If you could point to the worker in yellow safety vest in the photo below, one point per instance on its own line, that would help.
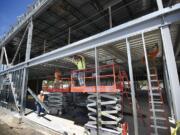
(80, 63)
(176, 131)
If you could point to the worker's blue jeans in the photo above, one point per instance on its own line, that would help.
(81, 78)
(39, 108)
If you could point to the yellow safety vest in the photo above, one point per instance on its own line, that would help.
(177, 129)
(81, 64)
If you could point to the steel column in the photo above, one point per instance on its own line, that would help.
(132, 88)
(172, 69)
(29, 41)
(2, 55)
(44, 47)
(98, 102)
(69, 35)
(25, 70)
(159, 4)
(110, 17)
(167, 87)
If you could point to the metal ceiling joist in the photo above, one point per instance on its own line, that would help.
(128, 9)
(118, 54)
(146, 23)
(97, 5)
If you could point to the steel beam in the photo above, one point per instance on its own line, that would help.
(172, 69)
(132, 88)
(146, 23)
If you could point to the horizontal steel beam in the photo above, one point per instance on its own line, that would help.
(143, 24)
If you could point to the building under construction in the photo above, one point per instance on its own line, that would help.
(129, 83)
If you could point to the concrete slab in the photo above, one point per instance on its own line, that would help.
(56, 123)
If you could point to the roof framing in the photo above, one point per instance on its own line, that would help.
(143, 24)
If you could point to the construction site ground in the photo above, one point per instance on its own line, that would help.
(9, 125)
(34, 125)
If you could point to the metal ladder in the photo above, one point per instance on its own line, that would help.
(158, 120)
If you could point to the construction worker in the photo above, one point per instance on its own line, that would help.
(152, 54)
(58, 84)
(176, 131)
(38, 106)
(80, 63)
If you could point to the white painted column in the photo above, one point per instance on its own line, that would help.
(98, 98)
(172, 69)
(159, 4)
(132, 88)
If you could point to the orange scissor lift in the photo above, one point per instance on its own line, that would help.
(110, 90)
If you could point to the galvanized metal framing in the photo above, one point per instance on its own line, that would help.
(149, 83)
(110, 17)
(172, 69)
(6, 57)
(132, 88)
(159, 4)
(168, 88)
(146, 23)
(2, 55)
(29, 40)
(34, 11)
(69, 35)
(19, 46)
(25, 70)
(171, 66)
(98, 98)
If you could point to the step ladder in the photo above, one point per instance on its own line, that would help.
(158, 120)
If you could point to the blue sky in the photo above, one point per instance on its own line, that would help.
(9, 10)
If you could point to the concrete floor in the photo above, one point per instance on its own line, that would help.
(9, 125)
(74, 120)
(56, 123)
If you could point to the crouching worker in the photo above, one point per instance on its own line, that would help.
(38, 106)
